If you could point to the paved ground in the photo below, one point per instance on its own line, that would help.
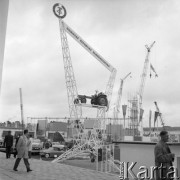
(44, 170)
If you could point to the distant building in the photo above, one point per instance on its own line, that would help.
(174, 132)
(54, 127)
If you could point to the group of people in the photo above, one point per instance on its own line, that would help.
(23, 148)
(163, 156)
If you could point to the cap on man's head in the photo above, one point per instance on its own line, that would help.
(162, 133)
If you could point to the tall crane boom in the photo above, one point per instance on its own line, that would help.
(144, 74)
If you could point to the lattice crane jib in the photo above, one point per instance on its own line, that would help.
(144, 74)
(75, 112)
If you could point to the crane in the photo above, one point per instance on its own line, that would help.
(137, 105)
(159, 114)
(97, 99)
(144, 74)
(100, 100)
(118, 100)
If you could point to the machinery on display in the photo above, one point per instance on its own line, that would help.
(84, 142)
(102, 99)
(97, 99)
(135, 103)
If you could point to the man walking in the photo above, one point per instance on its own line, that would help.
(8, 143)
(163, 158)
(22, 151)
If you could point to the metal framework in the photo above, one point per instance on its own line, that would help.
(144, 74)
(83, 141)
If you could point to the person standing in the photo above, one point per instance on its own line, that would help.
(17, 138)
(22, 151)
(30, 146)
(163, 158)
(8, 143)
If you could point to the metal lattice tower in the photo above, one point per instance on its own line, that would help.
(72, 93)
(144, 74)
(84, 142)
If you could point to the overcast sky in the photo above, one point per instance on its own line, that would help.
(116, 29)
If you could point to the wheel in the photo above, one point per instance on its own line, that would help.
(93, 101)
(59, 10)
(93, 160)
(76, 101)
(102, 100)
(83, 100)
(47, 155)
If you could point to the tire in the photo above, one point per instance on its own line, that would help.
(76, 101)
(83, 100)
(93, 160)
(102, 100)
(93, 101)
(47, 156)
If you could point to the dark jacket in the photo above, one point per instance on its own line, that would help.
(8, 141)
(163, 156)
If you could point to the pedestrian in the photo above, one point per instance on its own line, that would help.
(17, 138)
(8, 143)
(163, 158)
(22, 151)
(30, 146)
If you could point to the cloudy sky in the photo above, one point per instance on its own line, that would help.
(116, 29)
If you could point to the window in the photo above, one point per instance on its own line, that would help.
(56, 149)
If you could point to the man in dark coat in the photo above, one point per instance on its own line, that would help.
(8, 143)
(163, 158)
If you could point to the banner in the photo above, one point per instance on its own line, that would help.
(156, 114)
(141, 114)
(150, 115)
(124, 107)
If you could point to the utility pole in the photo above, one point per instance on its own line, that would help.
(21, 106)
